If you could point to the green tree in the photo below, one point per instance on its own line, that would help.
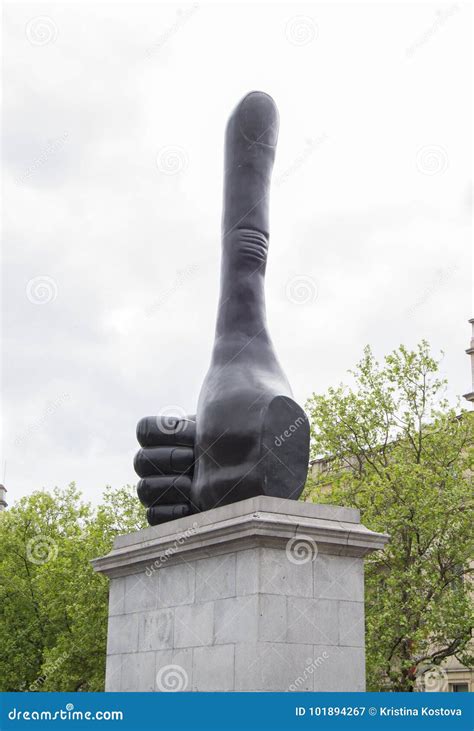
(392, 447)
(53, 606)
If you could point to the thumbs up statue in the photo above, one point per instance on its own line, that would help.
(248, 437)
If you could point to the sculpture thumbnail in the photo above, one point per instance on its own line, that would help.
(248, 437)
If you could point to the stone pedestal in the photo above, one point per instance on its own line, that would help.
(262, 595)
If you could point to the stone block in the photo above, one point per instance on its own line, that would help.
(312, 621)
(351, 624)
(247, 572)
(235, 619)
(272, 618)
(213, 668)
(278, 575)
(271, 666)
(113, 673)
(338, 577)
(116, 596)
(215, 577)
(138, 672)
(193, 625)
(244, 603)
(342, 669)
(174, 531)
(122, 634)
(312, 669)
(176, 584)
(140, 592)
(155, 630)
(174, 671)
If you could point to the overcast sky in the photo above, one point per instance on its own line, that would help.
(113, 154)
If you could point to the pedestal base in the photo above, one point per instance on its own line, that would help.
(261, 595)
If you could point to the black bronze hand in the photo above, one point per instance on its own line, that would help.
(166, 465)
(251, 437)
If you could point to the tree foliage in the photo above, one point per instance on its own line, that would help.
(53, 606)
(392, 447)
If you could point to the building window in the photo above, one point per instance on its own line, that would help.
(459, 688)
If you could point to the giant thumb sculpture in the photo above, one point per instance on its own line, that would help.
(249, 437)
